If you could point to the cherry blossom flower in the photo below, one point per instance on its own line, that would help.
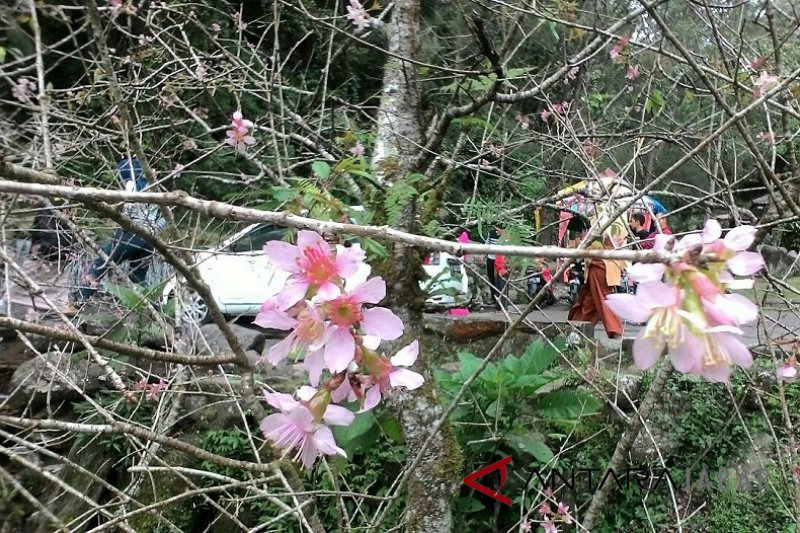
(313, 266)
(545, 115)
(306, 339)
(549, 526)
(571, 75)
(156, 389)
(563, 510)
(116, 5)
(525, 526)
(633, 73)
(764, 84)
(757, 63)
(358, 149)
(238, 135)
(765, 137)
(788, 371)
(796, 474)
(142, 384)
(358, 15)
(545, 509)
(216, 28)
(389, 373)
(24, 90)
(300, 425)
(346, 312)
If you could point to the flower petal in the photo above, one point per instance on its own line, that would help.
(372, 398)
(314, 363)
(712, 231)
(371, 342)
(688, 354)
(403, 377)
(628, 307)
(293, 291)
(406, 356)
(323, 437)
(327, 291)
(338, 416)
(271, 318)
(745, 263)
(646, 272)
(382, 323)
(279, 352)
(281, 401)
(305, 393)
(719, 373)
(370, 292)
(340, 349)
(349, 260)
(646, 350)
(283, 255)
(736, 349)
(740, 238)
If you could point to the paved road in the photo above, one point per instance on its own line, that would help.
(779, 322)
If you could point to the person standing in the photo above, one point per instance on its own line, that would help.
(602, 275)
(637, 226)
(491, 272)
(651, 238)
(126, 245)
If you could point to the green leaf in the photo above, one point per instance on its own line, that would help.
(537, 357)
(469, 363)
(533, 445)
(567, 405)
(125, 295)
(655, 102)
(391, 426)
(321, 169)
(347, 435)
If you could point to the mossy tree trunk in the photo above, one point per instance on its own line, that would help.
(431, 486)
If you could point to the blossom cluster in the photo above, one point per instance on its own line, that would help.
(239, 135)
(549, 518)
(328, 306)
(358, 15)
(687, 306)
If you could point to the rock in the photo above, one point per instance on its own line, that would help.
(779, 262)
(628, 388)
(95, 458)
(287, 376)
(645, 450)
(40, 380)
(214, 342)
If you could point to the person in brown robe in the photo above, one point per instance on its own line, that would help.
(601, 277)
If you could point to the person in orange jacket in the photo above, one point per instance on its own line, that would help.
(501, 274)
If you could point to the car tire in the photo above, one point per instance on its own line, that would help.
(192, 308)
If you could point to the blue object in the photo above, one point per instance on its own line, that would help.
(655, 205)
(128, 171)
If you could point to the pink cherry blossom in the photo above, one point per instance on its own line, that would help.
(545, 510)
(549, 526)
(215, 27)
(358, 15)
(346, 312)
(720, 348)
(632, 73)
(525, 526)
(764, 84)
(314, 266)
(300, 425)
(307, 336)
(389, 373)
(141, 384)
(238, 135)
(156, 389)
(658, 304)
(757, 63)
(788, 371)
(358, 149)
(563, 511)
(545, 115)
(796, 474)
(614, 53)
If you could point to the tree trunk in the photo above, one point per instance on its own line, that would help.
(432, 485)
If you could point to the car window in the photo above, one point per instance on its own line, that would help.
(256, 239)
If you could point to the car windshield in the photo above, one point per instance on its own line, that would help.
(257, 238)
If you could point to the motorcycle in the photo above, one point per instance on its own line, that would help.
(537, 279)
(576, 279)
(626, 286)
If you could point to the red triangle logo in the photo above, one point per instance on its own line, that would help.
(469, 481)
